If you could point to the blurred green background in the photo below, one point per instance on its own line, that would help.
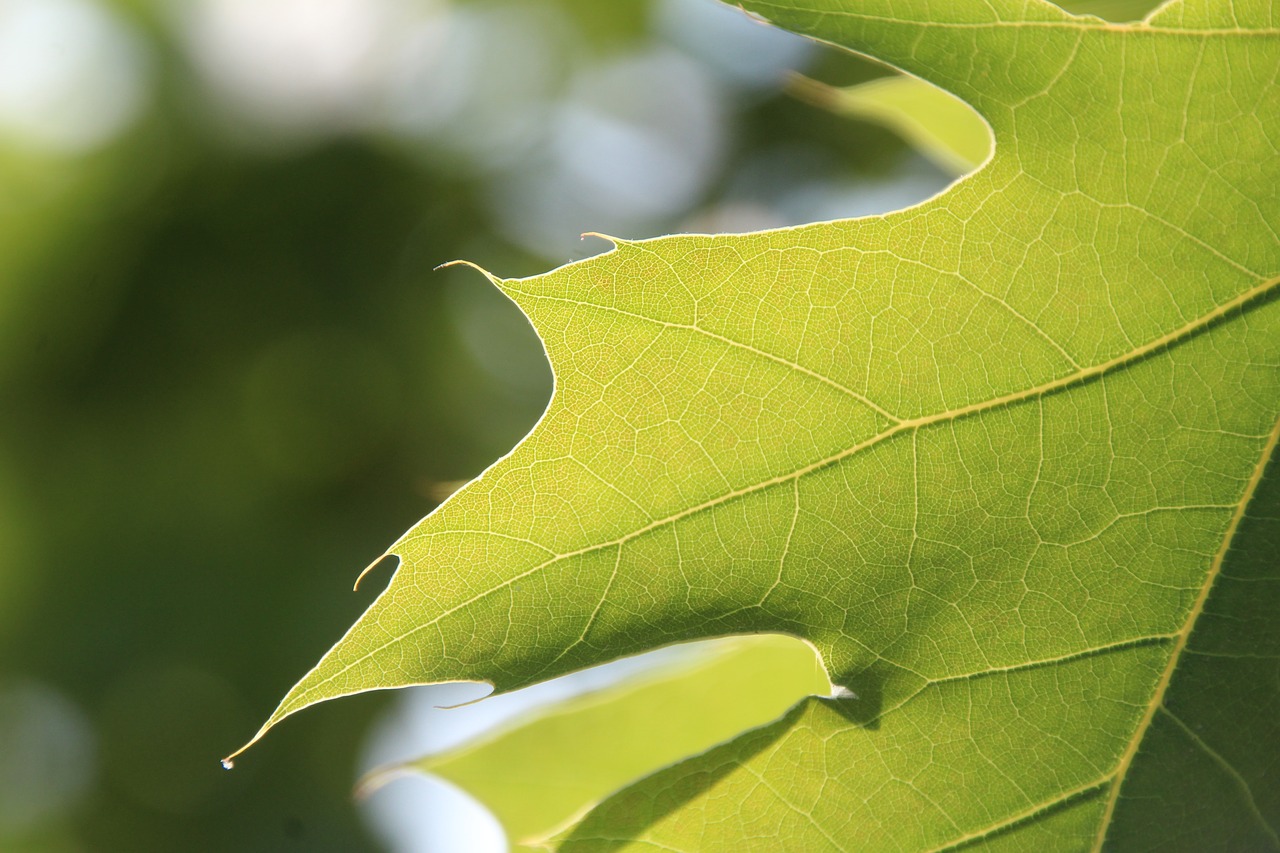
(229, 376)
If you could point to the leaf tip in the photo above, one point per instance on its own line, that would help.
(229, 762)
(614, 240)
(356, 586)
(464, 263)
(493, 688)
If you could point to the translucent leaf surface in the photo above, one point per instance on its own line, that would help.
(999, 457)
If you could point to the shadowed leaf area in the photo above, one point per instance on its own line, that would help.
(1000, 457)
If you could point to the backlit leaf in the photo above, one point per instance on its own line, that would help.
(999, 457)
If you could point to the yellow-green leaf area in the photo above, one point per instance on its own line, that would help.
(1000, 457)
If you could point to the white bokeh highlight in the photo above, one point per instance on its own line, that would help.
(73, 74)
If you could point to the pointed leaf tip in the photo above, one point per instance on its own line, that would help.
(614, 241)
(356, 586)
(472, 265)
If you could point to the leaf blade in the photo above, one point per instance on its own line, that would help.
(1010, 425)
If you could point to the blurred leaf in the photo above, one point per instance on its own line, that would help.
(938, 124)
(988, 454)
(1111, 10)
(537, 774)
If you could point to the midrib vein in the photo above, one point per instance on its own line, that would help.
(1183, 637)
(1078, 377)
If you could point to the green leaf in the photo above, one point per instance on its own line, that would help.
(943, 127)
(539, 773)
(996, 456)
